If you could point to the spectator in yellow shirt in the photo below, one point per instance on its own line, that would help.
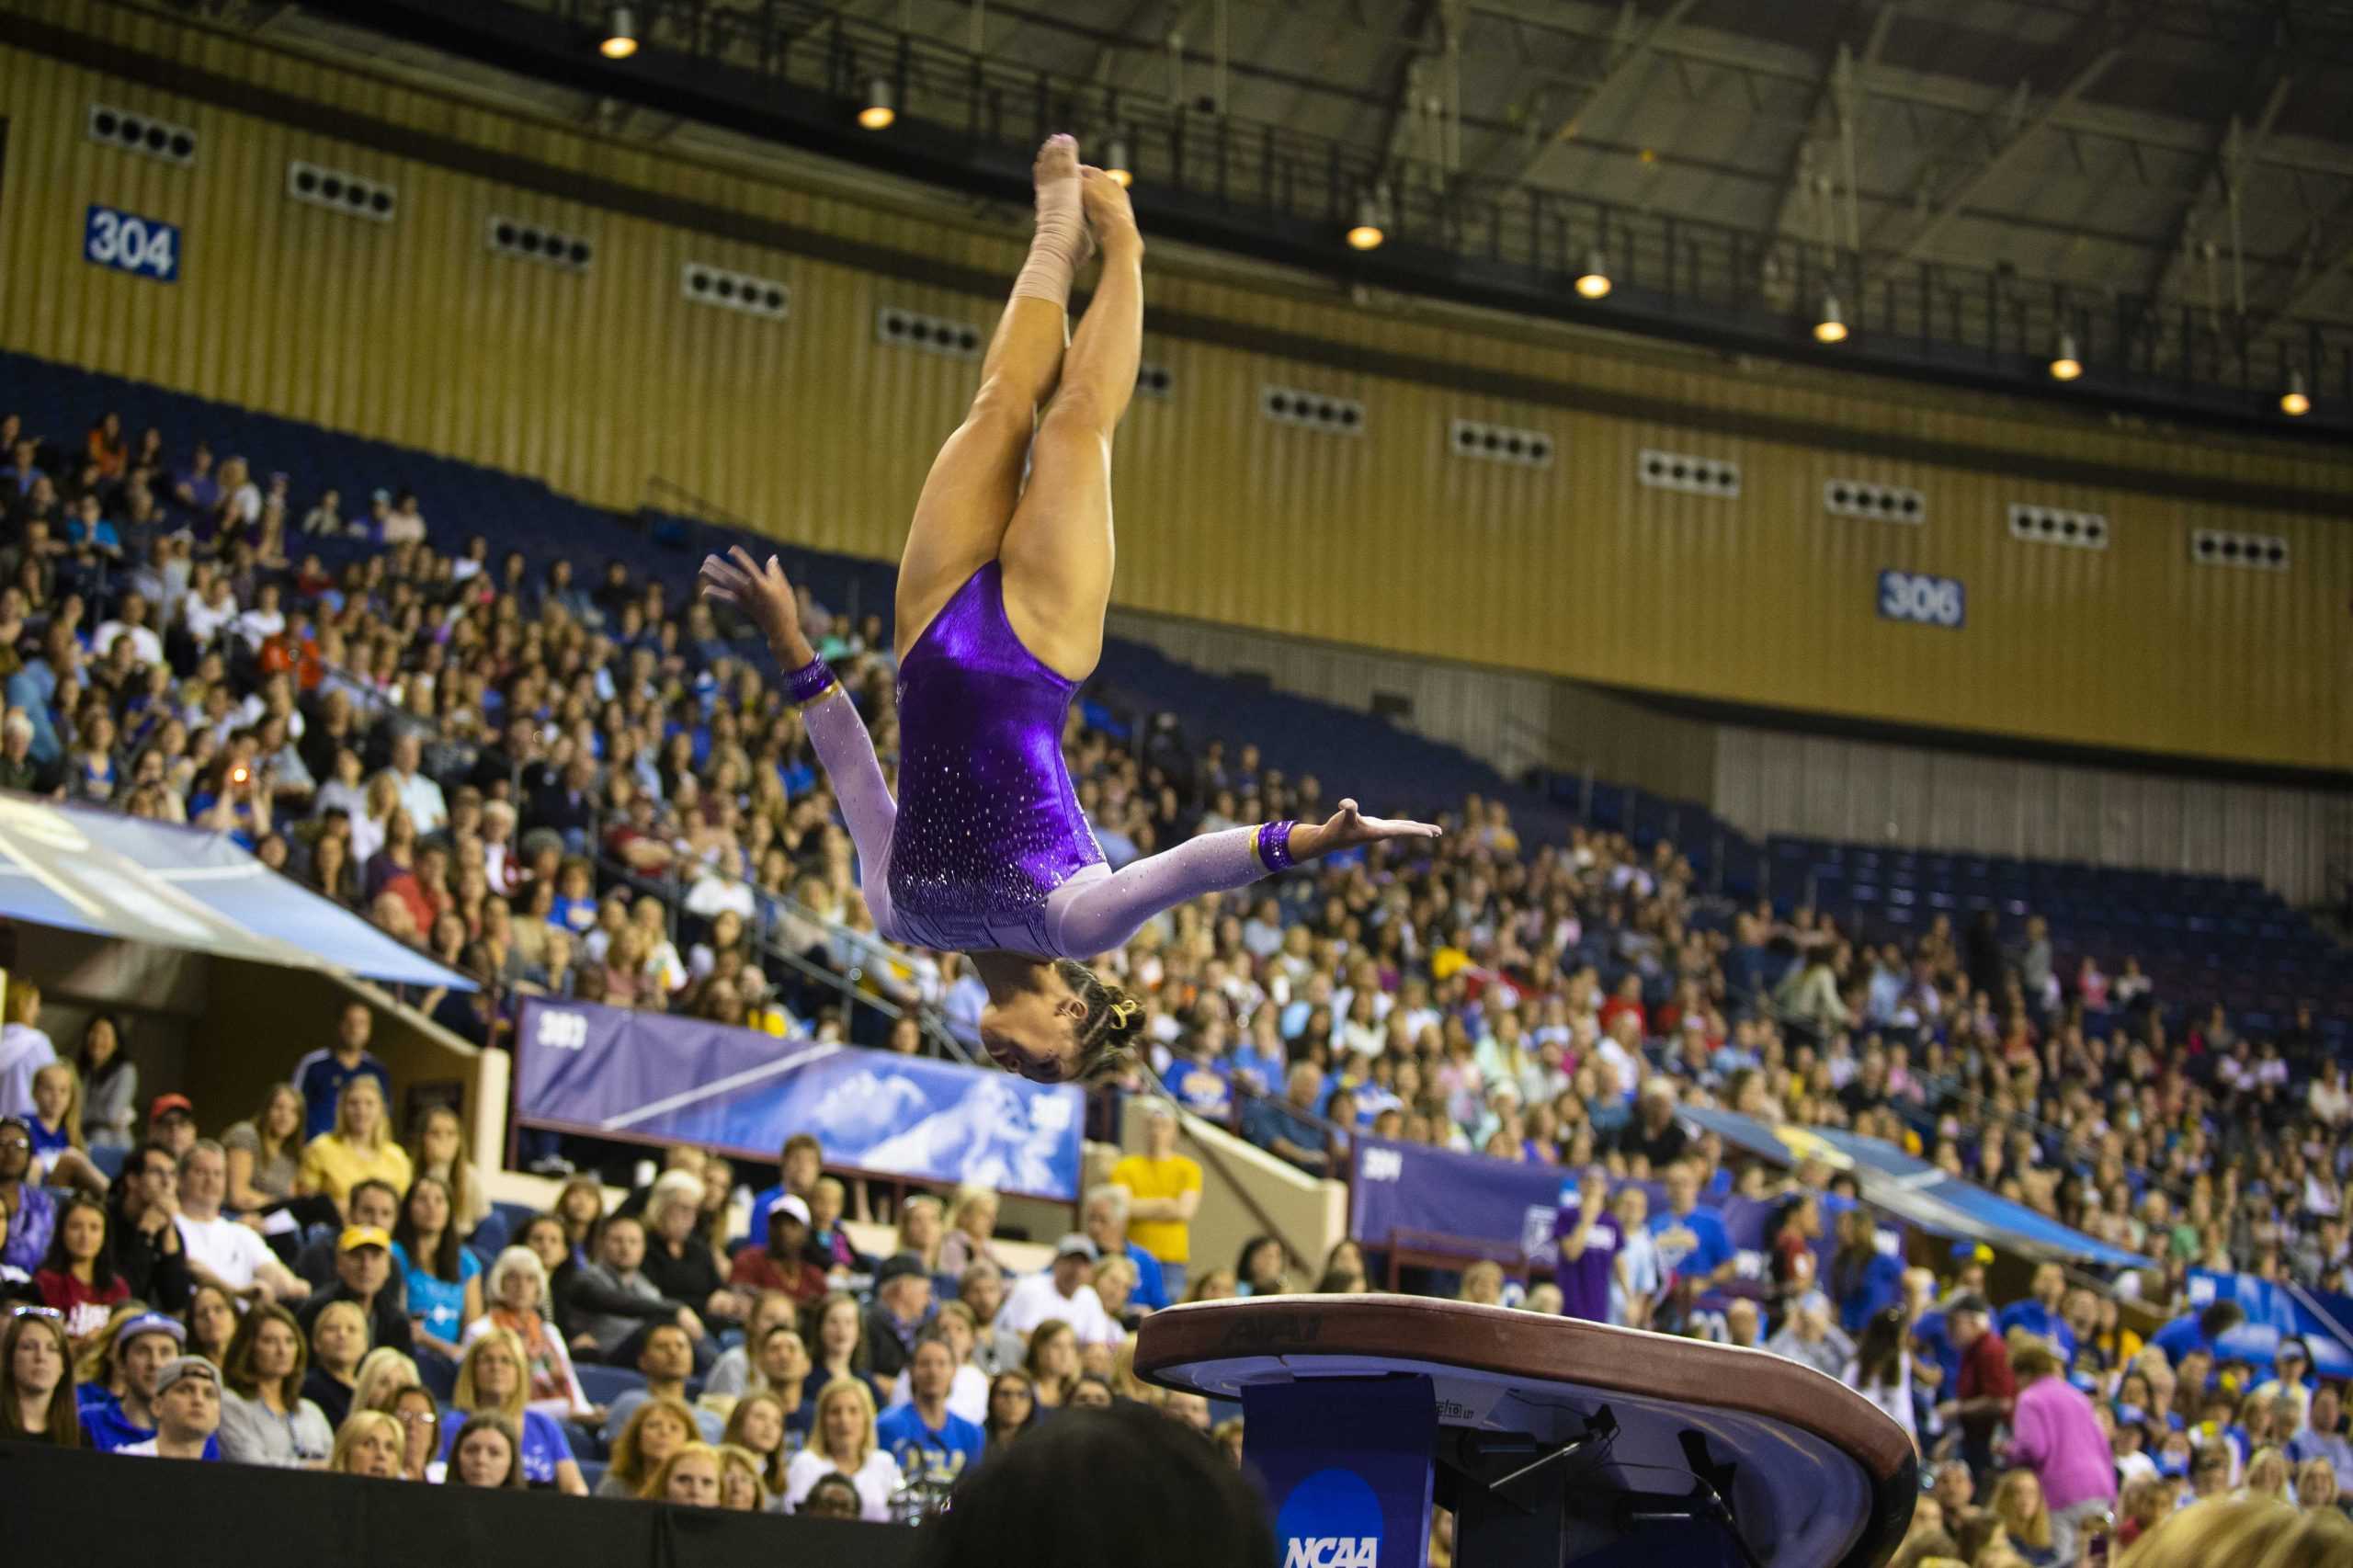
(359, 1148)
(1166, 1189)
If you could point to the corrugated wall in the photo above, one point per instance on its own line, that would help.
(416, 332)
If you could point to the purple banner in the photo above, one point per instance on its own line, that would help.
(648, 1077)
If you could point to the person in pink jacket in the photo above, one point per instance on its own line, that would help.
(2054, 1434)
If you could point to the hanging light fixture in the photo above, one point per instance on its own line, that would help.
(621, 34)
(881, 108)
(1371, 226)
(2064, 365)
(1594, 281)
(1830, 326)
(1115, 162)
(2295, 402)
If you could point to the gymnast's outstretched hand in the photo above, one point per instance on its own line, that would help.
(763, 594)
(1348, 828)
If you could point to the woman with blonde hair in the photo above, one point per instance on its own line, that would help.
(358, 1148)
(740, 1488)
(756, 1428)
(265, 1152)
(339, 1344)
(971, 1223)
(2268, 1476)
(2018, 1504)
(2245, 1533)
(688, 1477)
(844, 1443)
(370, 1443)
(517, 1285)
(922, 1231)
(383, 1372)
(656, 1430)
(491, 1379)
(56, 1127)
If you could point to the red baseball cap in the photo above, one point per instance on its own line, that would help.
(165, 1103)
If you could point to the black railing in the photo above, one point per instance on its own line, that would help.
(796, 72)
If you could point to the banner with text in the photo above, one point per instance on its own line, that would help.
(648, 1077)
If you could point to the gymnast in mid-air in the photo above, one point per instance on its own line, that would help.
(1001, 596)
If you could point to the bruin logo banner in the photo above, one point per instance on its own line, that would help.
(1332, 1519)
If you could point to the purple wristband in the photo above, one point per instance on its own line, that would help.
(810, 681)
(1274, 844)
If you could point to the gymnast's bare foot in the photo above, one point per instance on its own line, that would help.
(1109, 213)
(1061, 218)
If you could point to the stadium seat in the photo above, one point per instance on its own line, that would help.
(604, 1384)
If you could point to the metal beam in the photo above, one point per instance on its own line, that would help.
(1834, 97)
(2096, 44)
(2327, 251)
(1634, 53)
(1404, 76)
(2233, 151)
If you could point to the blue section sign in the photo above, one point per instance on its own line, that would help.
(145, 247)
(1922, 599)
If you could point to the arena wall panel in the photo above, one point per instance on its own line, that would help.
(1766, 782)
(600, 378)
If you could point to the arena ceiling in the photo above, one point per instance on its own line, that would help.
(2186, 153)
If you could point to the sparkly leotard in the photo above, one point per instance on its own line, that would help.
(986, 847)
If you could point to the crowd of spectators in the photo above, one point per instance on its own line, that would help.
(586, 789)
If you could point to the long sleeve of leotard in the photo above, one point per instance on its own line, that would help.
(847, 752)
(1095, 916)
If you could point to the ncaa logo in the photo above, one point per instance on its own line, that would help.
(1331, 1520)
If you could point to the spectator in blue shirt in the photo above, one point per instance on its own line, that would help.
(1691, 1241)
(143, 1346)
(321, 1076)
(2198, 1331)
(2038, 1313)
(1864, 1280)
(1284, 1127)
(34, 688)
(22, 471)
(932, 1443)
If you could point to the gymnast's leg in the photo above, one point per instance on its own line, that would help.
(1058, 550)
(970, 495)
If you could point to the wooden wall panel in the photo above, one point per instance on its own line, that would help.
(416, 332)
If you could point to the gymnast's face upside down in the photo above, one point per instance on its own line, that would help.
(1052, 1020)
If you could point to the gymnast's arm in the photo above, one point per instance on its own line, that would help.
(847, 752)
(1095, 916)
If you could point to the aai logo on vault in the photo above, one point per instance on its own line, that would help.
(1331, 1520)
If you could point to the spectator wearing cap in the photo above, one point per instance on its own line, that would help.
(803, 1160)
(782, 1262)
(493, 1380)
(931, 1443)
(1061, 1291)
(901, 1307)
(143, 1345)
(1104, 1217)
(363, 1272)
(665, 1356)
(322, 1075)
(264, 1417)
(187, 1405)
(2292, 1380)
(1165, 1191)
(2054, 1433)
(374, 1205)
(171, 1124)
(359, 1147)
(611, 1298)
(1983, 1390)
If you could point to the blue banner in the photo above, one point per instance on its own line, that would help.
(648, 1077)
(1347, 1465)
(1914, 1190)
(2273, 1313)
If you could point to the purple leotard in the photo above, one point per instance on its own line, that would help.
(986, 847)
